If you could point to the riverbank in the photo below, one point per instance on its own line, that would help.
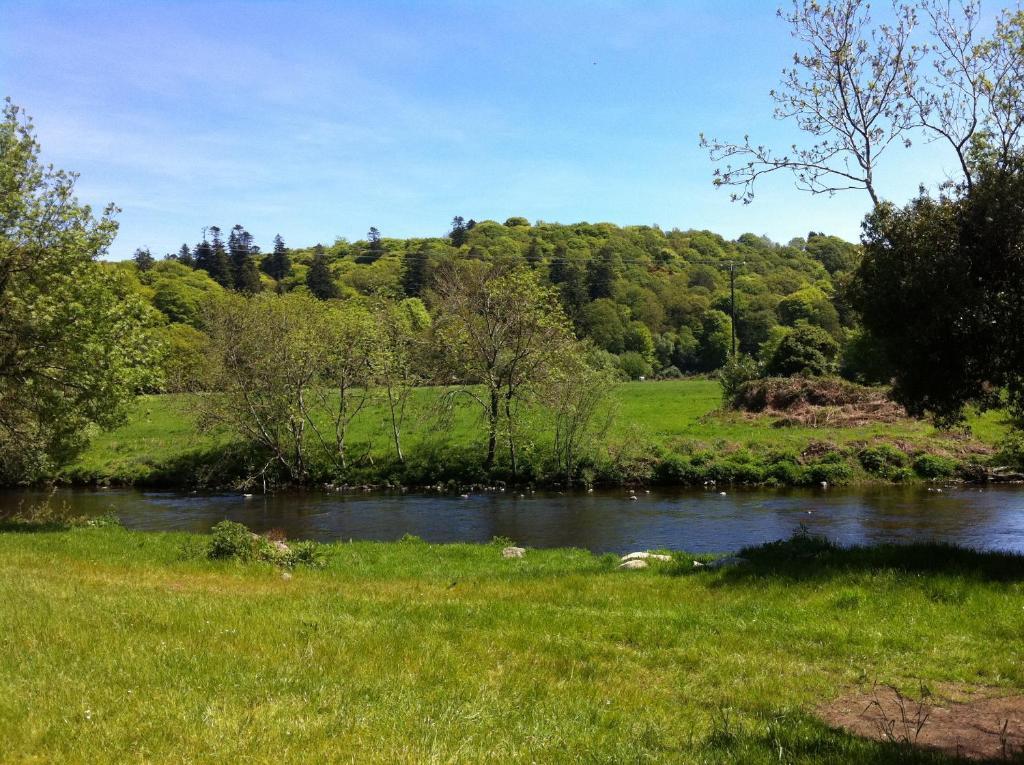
(121, 645)
(662, 433)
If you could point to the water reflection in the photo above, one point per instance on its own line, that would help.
(697, 521)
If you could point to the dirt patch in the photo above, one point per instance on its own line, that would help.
(972, 724)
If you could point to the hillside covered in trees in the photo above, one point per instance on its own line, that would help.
(658, 301)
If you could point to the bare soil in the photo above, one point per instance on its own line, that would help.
(974, 724)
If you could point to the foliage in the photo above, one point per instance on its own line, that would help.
(738, 371)
(635, 366)
(233, 541)
(941, 290)
(805, 350)
(75, 342)
(502, 329)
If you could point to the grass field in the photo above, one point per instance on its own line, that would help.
(650, 419)
(118, 646)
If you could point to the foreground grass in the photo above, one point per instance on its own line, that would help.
(160, 443)
(119, 646)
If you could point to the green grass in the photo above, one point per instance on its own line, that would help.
(120, 646)
(160, 443)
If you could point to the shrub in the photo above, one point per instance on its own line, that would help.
(935, 466)
(233, 540)
(806, 350)
(832, 472)
(1011, 450)
(881, 460)
(737, 371)
(634, 365)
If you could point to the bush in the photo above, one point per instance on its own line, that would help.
(233, 541)
(634, 365)
(831, 472)
(807, 350)
(935, 466)
(1011, 450)
(737, 372)
(881, 460)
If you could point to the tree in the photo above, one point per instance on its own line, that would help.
(213, 258)
(374, 247)
(502, 329)
(393, 364)
(143, 259)
(602, 271)
(941, 289)
(414, 270)
(577, 395)
(278, 264)
(75, 342)
(457, 234)
(185, 257)
(805, 350)
(856, 89)
(265, 355)
(246, 278)
(319, 280)
(846, 89)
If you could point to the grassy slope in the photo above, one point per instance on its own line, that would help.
(672, 414)
(121, 646)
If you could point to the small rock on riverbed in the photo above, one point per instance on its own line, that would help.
(513, 552)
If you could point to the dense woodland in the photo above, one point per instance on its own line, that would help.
(658, 301)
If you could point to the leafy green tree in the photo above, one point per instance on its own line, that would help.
(245, 277)
(811, 305)
(501, 329)
(715, 341)
(603, 324)
(602, 271)
(319, 280)
(75, 342)
(639, 339)
(941, 289)
(635, 366)
(805, 350)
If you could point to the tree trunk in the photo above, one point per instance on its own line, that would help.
(492, 429)
(511, 435)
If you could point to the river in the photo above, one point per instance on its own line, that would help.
(990, 518)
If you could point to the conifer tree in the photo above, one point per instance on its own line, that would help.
(278, 264)
(318, 278)
(143, 258)
(458, 232)
(185, 257)
(213, 258)
(243, 267)
(414, 270)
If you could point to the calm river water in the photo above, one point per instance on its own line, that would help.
(692, 520)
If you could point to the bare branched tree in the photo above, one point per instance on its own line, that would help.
(847, 89)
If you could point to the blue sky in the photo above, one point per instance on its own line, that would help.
(319, 120)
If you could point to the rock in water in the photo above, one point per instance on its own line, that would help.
(633, 564)
(513, 552)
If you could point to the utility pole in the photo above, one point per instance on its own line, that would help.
(732, 298)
